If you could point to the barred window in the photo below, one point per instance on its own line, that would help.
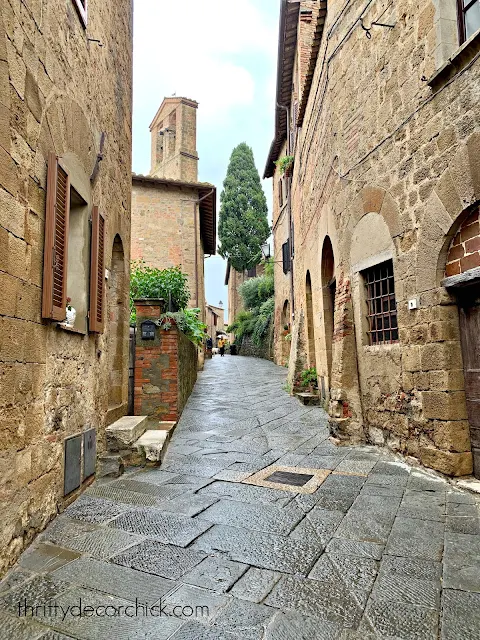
(381, 304)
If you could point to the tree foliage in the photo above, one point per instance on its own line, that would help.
(243, 225)
(259, 301)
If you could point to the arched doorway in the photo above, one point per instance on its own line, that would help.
(286, 332)
(328, 291)
(118, 327)
(312, 360)
(462, 273)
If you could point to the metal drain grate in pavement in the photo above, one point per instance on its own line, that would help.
(293, 479)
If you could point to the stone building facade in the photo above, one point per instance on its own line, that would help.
(381, 215)
(215, 321)
(65, 192)
(174, 215)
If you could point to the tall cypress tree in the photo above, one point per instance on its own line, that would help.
(243, 225)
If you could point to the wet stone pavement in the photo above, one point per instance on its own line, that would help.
(379, 550)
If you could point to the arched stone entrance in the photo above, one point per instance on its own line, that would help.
(312, 360)
(118, 319)
(328, 290)
(462, 272)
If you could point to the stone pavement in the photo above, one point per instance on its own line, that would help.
(378, 550)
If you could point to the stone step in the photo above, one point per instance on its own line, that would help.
(123, 433)
(164, 426)
(153, 444)
(110, 466)
(309, 399)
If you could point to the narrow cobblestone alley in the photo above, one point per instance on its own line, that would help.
(377, 550)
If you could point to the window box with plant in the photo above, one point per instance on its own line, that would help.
(285, 165)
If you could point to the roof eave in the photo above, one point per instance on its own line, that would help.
(287, 44)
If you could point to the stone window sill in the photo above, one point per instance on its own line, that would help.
(65, 327)
(378, 348)
(465, 54)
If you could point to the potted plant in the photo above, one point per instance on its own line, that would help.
(307, 380)
(285, 165)
(71, 314)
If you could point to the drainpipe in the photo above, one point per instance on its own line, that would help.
(195, 219)
(289, 213)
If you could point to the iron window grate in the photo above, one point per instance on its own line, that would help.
(381, 304)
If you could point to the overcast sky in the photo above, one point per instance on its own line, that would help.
(221, 53)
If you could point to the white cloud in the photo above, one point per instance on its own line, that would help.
(194, 48)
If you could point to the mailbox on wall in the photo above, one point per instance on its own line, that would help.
(148, 330)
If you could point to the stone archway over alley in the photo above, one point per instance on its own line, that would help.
(359, 545)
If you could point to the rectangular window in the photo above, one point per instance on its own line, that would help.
(73, 263)
(252, 273)
(381, 304)
(468, 18)
(280, 193)
(82, 8)
(286, 256)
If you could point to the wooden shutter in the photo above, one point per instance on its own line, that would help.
(97, 273)
(55, 257)
(286, 256)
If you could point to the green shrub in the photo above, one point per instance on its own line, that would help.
(148, 282)
(256, 291)
(187, 321)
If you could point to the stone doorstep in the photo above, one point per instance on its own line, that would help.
(153, 444)
(123, 433)
(308, 399)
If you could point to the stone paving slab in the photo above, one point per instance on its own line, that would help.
(380, 551)
(115, 580)
(165, 527)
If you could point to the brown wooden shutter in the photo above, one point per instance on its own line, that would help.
(97, 273)
(55, 257)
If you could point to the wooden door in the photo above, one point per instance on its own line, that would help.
(470, 336)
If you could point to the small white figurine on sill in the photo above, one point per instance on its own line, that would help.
(71, 314)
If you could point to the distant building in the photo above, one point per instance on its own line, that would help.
(174, 215)
(215, 321)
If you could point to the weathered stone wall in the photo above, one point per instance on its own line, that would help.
(163, 232)
(58, 93)
(187, 370)
(262, 350)
(399, 160)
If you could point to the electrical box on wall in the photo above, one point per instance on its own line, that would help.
(413, 304)
(72, 464)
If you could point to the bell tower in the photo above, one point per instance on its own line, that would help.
(174, 140)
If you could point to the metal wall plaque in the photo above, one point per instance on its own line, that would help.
(89, 453)
(148, 330)
(72, 467)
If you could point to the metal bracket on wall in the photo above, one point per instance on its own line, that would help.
(374, 24)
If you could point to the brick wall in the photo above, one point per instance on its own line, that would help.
(165, 368)
(464, 253)
(168, 208)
